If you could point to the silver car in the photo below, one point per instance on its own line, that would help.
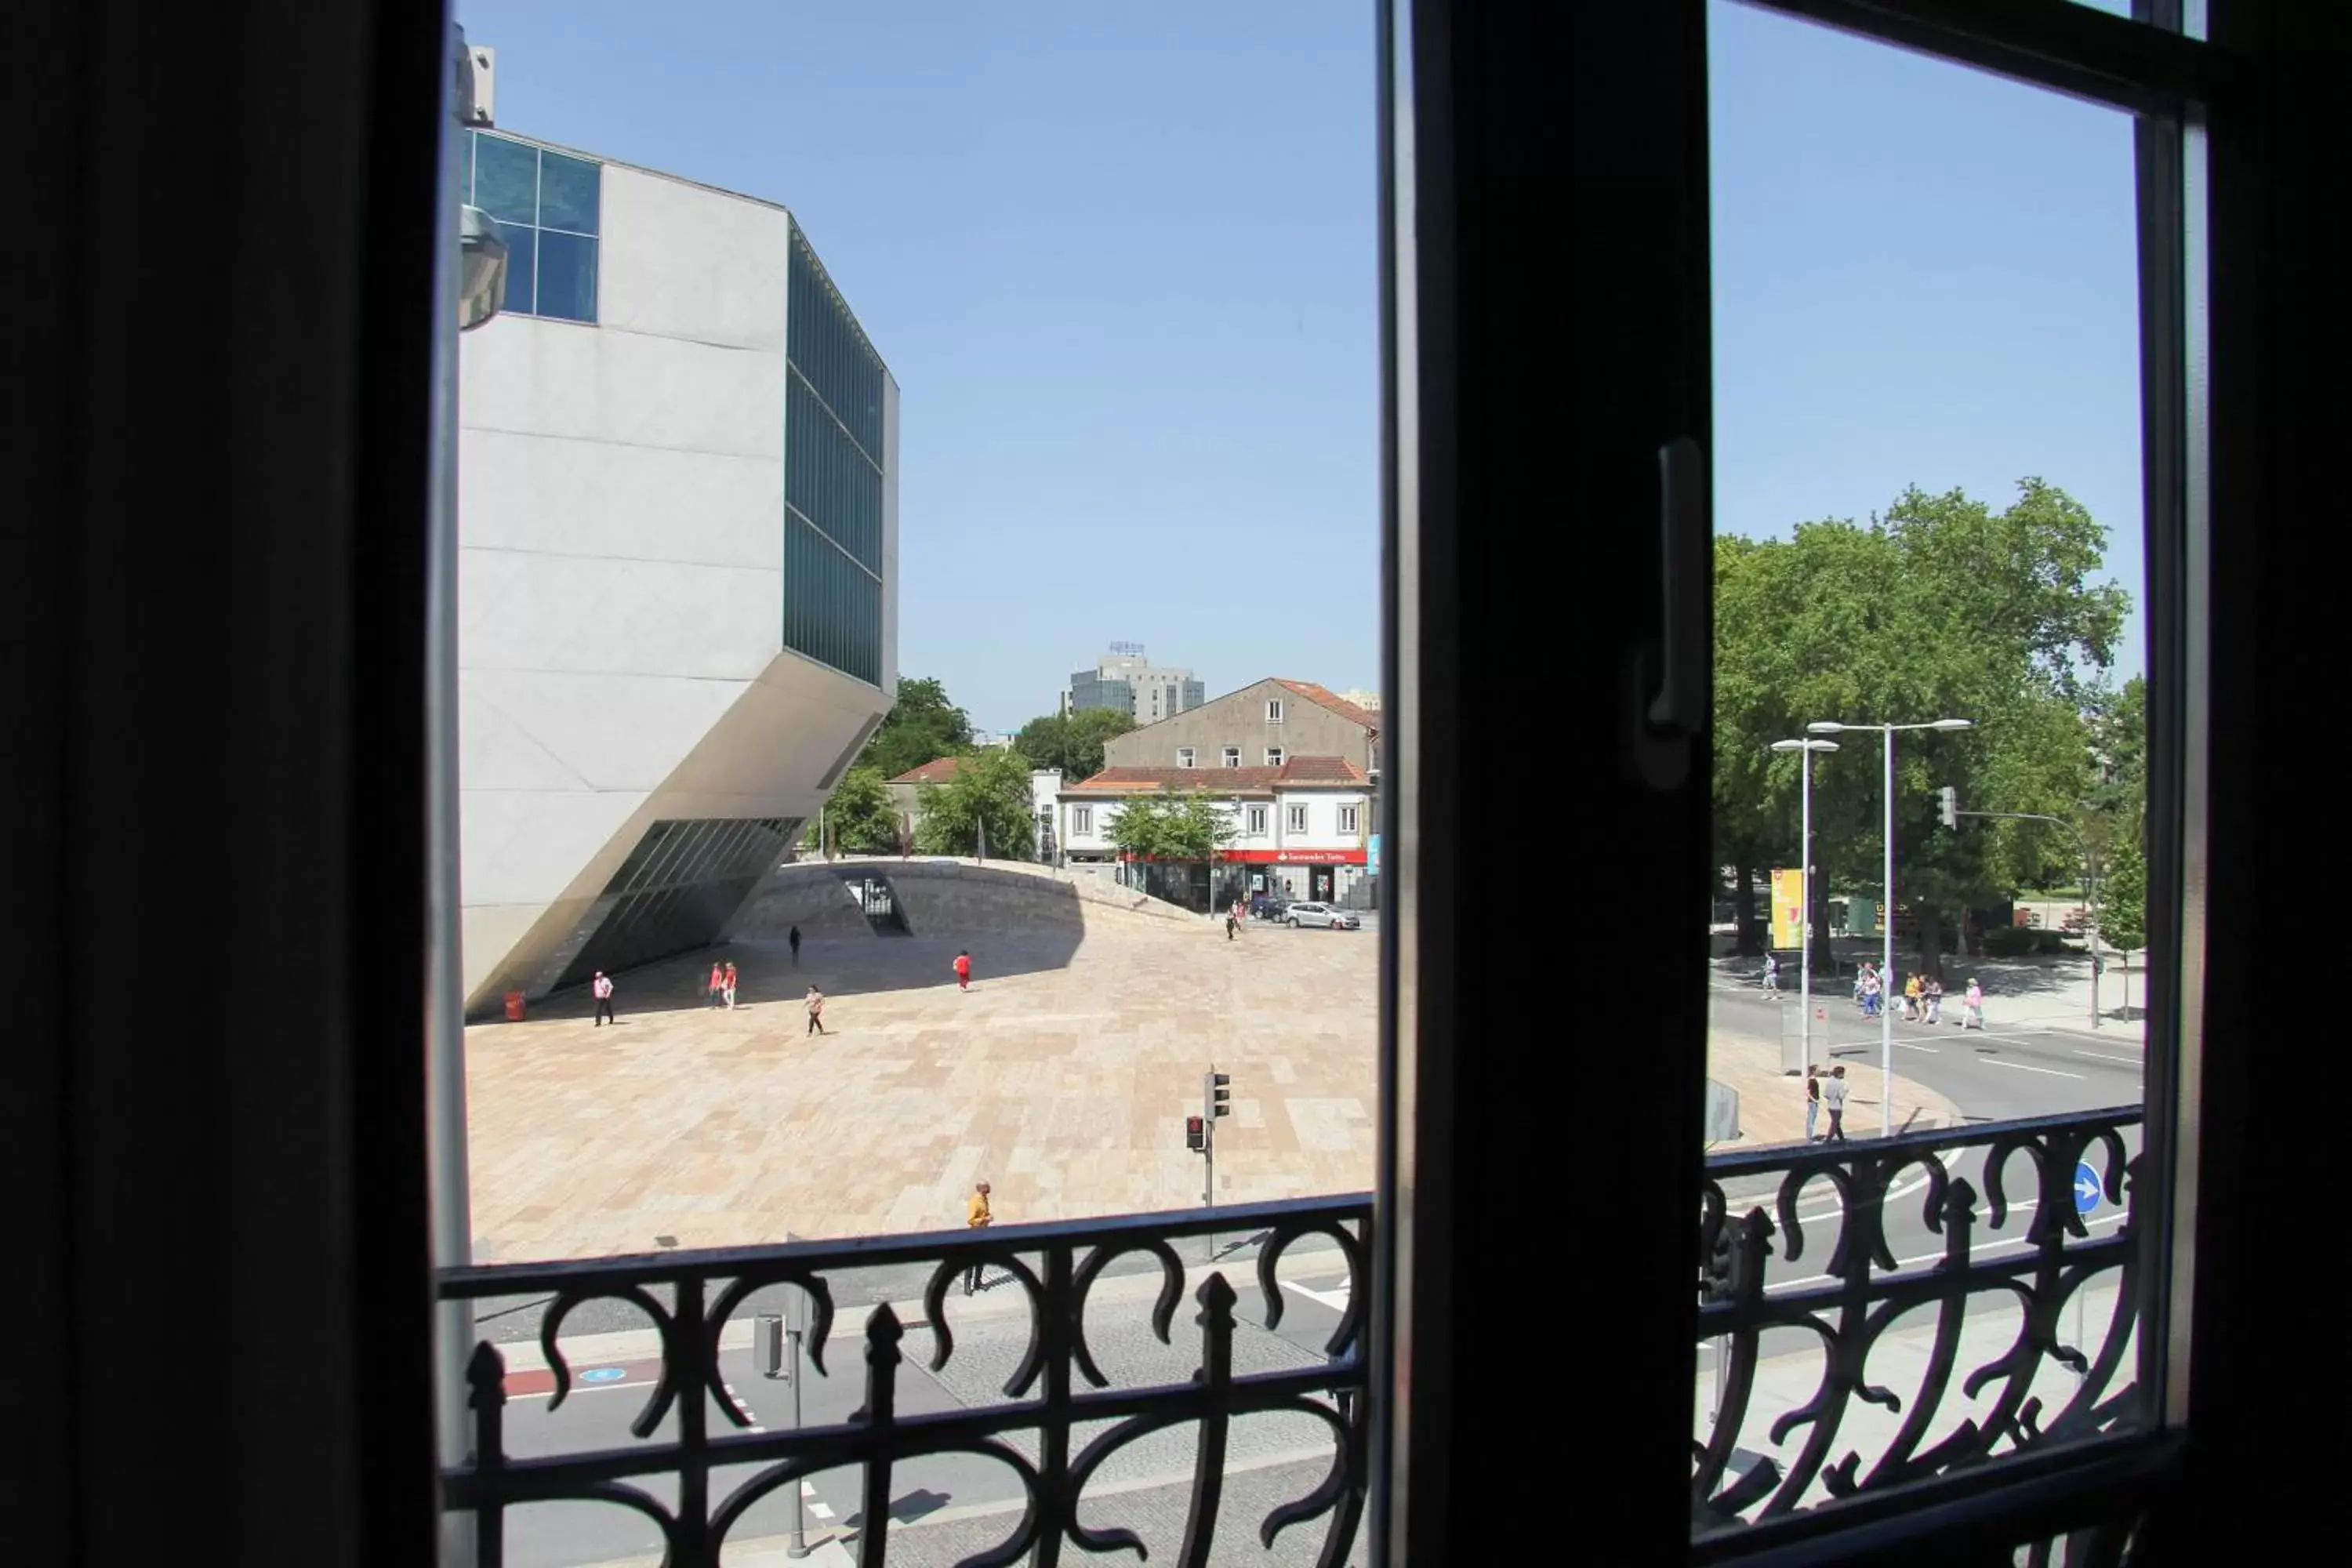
(1321, 915)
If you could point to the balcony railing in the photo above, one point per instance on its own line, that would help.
(1981, 1313)
(691, 1297)
(1786, 1357)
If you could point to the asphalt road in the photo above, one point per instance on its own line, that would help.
(1992, 1075)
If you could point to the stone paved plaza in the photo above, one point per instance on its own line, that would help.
(1064, 1077)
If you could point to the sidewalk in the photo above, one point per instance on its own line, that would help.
(1772, 1103)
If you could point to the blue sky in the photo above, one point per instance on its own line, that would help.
(1121, 259)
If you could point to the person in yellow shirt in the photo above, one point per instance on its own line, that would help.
(977, 1216)
(1912, 992)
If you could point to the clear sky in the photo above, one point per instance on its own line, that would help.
(1121, 259)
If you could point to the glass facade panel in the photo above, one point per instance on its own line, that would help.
(567, 276)
(570, 192)
(835, 483)
(522, 246)
(678, 889)
(549, 208)
(505, 179)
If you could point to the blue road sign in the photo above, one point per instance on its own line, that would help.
(603, 1375)
(2086, 1187)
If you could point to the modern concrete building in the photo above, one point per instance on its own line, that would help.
(678, 562)
(1123, 679)
(1261, 726)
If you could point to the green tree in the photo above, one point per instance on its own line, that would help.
(1174, 825)
(1942, 607)
(859, 818)
(1072, 741)
(2122, 897)
(986, 802)
(922, 726)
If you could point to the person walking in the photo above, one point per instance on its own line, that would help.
(718, 983)
(814, 1003)
(1812, 1099)
(1912, 992)
(977, 1216)
(1872, 997)
(1935, 1000)
(963, 971)
(796, 939)
(601, 988)
(727, 985)
(1973, 1006)
(1771, 975)
(1833, 1095)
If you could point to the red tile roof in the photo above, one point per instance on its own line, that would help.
(1211, 780)
(938, 770)
(1321, 770)
(1326, 696)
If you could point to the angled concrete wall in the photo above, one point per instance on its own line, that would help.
(945, 898)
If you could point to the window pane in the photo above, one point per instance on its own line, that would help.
(567, 276)
(520, 265)
(569, 192)
(505, 179)
(1928, 668)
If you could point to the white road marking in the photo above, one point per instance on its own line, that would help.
(807, 1490)
(2021, 1067)
(2105, 1057)
(1936, 1257)
(1335, 1299)
(819, 1510)
(755, 1427)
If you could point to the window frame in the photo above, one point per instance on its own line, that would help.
(1187, 756)
(1273, 710)
(1295, 817)
(1082, 822)
(1274, 755)
(1254, 819)
(1231, 757)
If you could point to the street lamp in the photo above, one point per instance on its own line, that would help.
(1805, 887)
(1886, 952)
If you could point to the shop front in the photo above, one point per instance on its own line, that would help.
(1323, 876)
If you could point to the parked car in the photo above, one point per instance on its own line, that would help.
(1322, 915)
(1270, 910)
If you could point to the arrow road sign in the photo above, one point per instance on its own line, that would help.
(2086, 1187)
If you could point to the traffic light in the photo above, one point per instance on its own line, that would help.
(1719, 1280)
(1216, 1100)
(1196, 1134)
(1948, 806)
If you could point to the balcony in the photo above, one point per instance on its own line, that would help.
(1948, 1331)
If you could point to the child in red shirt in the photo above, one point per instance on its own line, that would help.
(963, 971)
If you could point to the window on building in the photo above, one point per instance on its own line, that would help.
(1273, 756)
(1296, 819)
(1232, 756)
(549, 208)
(1256, 817)
(1273, 710)
(1347, 818)
(1184, 756)
(1082, 819)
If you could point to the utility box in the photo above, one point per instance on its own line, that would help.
(1722, 1112)
(768, 1345)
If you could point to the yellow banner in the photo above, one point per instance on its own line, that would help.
(1788, 908)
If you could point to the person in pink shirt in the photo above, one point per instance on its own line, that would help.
(963, 971)
(717, 985)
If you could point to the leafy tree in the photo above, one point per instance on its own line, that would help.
(859, 818)
(922, 726)
(1072, 741)
(1942, 607)
(2123, 898)
(1174, 825)
(987, 802)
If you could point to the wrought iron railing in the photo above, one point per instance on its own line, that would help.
(2030, 1248)
(691, 1297)
(2033, 1253)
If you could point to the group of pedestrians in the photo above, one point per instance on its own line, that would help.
(725, 981)
(1920, 997)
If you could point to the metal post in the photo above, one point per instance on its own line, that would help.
(798, 1546)
(1805, 887)
(1886, 962)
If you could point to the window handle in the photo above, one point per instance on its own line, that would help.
(1679, 705)
(1670, 690)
